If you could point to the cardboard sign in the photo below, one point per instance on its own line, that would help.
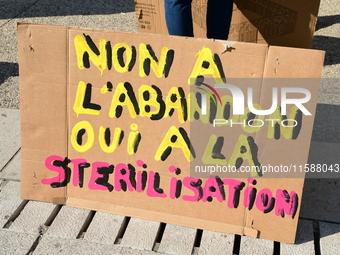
(136, 124)
(273, 22)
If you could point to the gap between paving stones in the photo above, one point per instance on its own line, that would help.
(9, 161)
(238, 242)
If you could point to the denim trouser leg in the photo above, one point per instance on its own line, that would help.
(178, 17)
(218, 18)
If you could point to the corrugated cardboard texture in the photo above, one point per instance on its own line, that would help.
(43, 109)
(273, 22)
(84, 105)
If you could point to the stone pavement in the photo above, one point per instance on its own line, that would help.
(30, 227)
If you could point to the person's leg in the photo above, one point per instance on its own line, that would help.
(178, 17)
(218, 18)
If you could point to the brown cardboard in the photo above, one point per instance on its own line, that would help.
(55, 100)
(273, 22)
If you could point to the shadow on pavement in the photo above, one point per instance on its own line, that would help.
(327, 124)
(327, 43)
(327, 21)
(44, 8)
(330, 45)
(7, 70)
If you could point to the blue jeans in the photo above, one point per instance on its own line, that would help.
(179, 18)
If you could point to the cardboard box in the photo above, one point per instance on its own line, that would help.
(273, 22)
(112, 121)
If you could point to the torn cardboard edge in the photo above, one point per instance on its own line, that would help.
(228, 45)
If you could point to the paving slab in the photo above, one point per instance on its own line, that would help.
(9, 135)
(11, 9)
(9, 89)
(304, 243)
(320, 200)
(13, 243)
(326, 123)
(324, 154)
(58, 246)
(329, 238)
(177, 240)
(9, 200)
(330, 85)
(85, 8)
(8, 32)
(9, 47)
(68, 222)
(326, 42)
(33, 217)
(329, 7)
(12, 170)
(327, 36)
(250, 245)
(216, 243)
(332, 98)
(140, 234)
(104, 228)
